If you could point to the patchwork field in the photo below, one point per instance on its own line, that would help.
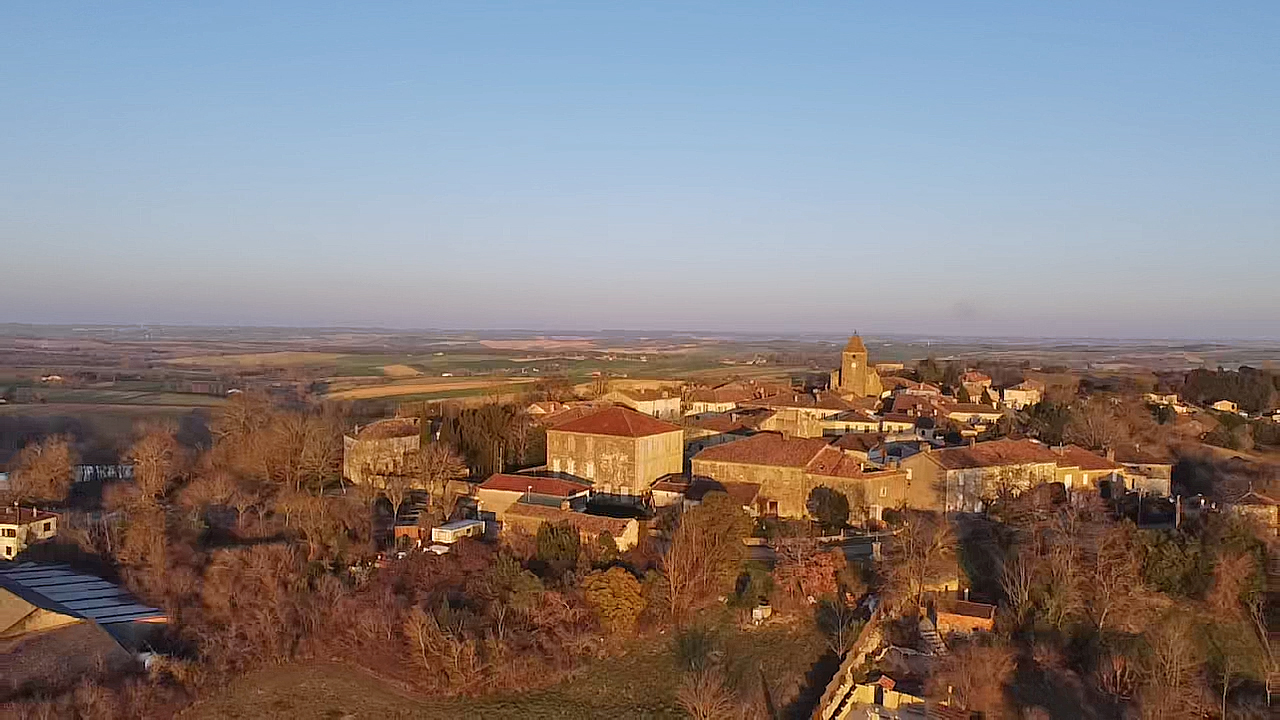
(442, 387)
(254, 360)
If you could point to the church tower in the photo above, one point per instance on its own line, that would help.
(855, 378)
(853, 368)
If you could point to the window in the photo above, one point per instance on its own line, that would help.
(555, 465)
(8, 550)
(590, 471)
(10, 532)
(884, 491)
(48, 526)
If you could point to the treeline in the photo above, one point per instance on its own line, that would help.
(1252, 389)
(1096, 618)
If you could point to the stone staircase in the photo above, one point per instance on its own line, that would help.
(932, 640)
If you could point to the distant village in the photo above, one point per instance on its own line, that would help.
(902, 502)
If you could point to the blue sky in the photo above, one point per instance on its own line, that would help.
(1021, 168)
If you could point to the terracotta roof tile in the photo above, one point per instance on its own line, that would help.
(617, 421)
(765, 449)
(1076, 456)
(859, 442)
(554, 487)
(996, 453)
(22, 516)
(592, 524)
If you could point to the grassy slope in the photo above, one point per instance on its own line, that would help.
(640, 684)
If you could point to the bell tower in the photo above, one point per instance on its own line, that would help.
(853, 368)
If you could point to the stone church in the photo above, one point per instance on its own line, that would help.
(855, 377)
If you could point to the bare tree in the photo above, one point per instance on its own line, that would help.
(156, 460)
(44, 470)
(704, 552)
(1018, 579)
(1115, 576)
(704, 696)
(922, 552)
(432, 468)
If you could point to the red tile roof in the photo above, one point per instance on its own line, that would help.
(970, 408)
(995, 453)
(1076, 456)
(765, 449)
(555, 487)
(591, 524)
(23, 516)
(859, 442)
(731, 421)
(618, 421)
(800, 399)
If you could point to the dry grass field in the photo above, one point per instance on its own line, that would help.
(639, 684)
(400, 371)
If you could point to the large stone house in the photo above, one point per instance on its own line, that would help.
(966, 477)
(379, 449)
(722, 398)
(21, 527)
(1024, 394)
(662, 403)
(1147, 469)
(619, 450)
(1079, 469)
(787, 469)
(855, 377)
(802, 414)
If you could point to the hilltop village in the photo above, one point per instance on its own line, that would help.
(935, 540)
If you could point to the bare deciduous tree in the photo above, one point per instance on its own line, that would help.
(922, 552)
(705, 549)
(44, 470)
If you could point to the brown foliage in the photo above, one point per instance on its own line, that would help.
(704, 553)
(44, 471)
(922, 552)
(974, 677)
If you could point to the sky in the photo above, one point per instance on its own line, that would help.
(1107, 169)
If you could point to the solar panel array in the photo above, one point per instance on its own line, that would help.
(78, 594)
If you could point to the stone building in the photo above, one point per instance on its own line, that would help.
(21, 527)
(501, 491)
(661, 403)
(1024, 394)
(379, 449)
(855, 377)
(787, 469)
(965, 477)
(619, 450)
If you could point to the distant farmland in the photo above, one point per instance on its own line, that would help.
(442, 386)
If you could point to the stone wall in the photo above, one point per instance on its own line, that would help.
(365, 461)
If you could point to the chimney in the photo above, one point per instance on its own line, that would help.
(1111, 454)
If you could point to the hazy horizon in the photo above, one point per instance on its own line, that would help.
(999, 170)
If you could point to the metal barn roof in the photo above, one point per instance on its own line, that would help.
(58, 587)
